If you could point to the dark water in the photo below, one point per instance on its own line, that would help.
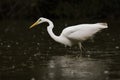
(32, 55)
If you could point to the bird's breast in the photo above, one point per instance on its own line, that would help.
(65, 41)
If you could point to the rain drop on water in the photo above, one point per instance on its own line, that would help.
(106, 72)
(8, 46)
(1, 44)
(33, 78)
(117, 47)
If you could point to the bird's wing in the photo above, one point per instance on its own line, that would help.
(79, 32)
(67, 31)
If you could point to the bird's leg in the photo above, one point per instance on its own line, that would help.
(81, 48)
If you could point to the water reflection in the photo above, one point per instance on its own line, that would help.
(72, 68)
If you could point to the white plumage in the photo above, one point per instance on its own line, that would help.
(74, 34)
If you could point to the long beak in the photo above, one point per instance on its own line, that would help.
(33, 25)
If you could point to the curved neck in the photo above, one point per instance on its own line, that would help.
(49, 29)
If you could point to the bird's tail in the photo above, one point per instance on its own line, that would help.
(105, 25)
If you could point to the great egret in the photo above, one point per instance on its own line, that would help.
(74, 34)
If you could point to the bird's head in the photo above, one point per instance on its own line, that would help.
(39, 21)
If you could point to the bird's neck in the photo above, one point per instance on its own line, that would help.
(50, 31)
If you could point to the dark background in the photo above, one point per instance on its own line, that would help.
(56, 9)
(17, 16)
(69, 12)
(23, 49)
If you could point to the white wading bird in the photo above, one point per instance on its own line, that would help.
(74, 34)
